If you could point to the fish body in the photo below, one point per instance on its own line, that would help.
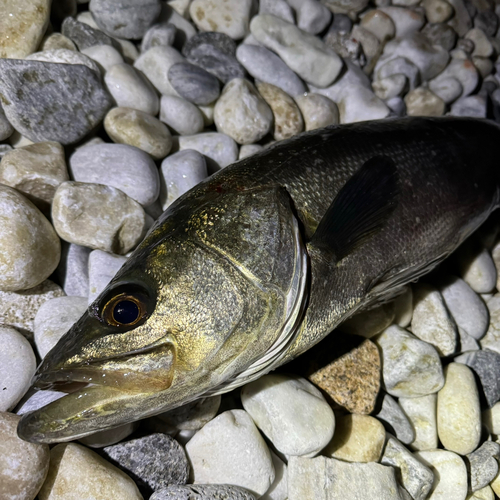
(260, 262)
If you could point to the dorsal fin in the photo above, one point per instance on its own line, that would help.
(360, 209)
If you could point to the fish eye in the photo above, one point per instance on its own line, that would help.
(124, 310)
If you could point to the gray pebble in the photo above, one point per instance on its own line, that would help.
(483, 464)
(4, 149)
(278, 8)
(59, 102)
(85, 36)
(220, 41)
(312, 16)
(6, 129)
(158, 34)
(194, 83)
(341, 24)
(102, 268)
(473, 105)
(487, 21)
(155, 461)
(203, 492)
(185, 29)
(182, 116)
(440, 34)
(73, 269)
(395, 420)
(192, 416)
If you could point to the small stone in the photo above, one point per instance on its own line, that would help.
(220, 148)
(179, 173)
(158, 34)
(64, 56)
(317, 110)
(57, 41)
(370, 44)
(485, 493)
(422, 414)
(248, 150)
(54, 318)
(279, 488)
(395, 420)
(371, 322)
(422, 102)
(225, 16)
(108, 437)
(399, 66)
(380, 24)
(39, 400)
(273, 402)
(35, 171)
(449, 471)
(487, 21)
(448, 89)
(6, 129)
(120, 166)
(458, 410)
(23, 25)
(478, 269)
(464, 71)
(357, 438)
(483, 65)
(277, 8)
(346, 46)
(390, 87)
(312, 16)
(59, 102)
(98, 216)
(194, 83)
(416, 478)
(230, 449)
(305, 54)
(155, 461)
(72, 271)
(324, 478)
(23, 465)
(217, 40)
(105, 56)
(410, 367)
(180, 115)
(184, 28)
(139, 129)
(437, 11)
(352, 7)
(461, 22)
(241, 113)
(102, 268)
(203, 492)
(130, 89)
(482, 46)
(85, 35)
(403, 308)
(192, 416)
(77, 472)
(467, 343)
(406, 21)
(473, 106)
(483, 465)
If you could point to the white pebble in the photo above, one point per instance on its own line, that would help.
(102, 268)
(422, 413)
(73, 270)
(403, 308)
(312, 16)
(65, 56)
(478, 270)
(248, 150)
(105, 56)
(448, 89)
(464, 71)
(317, 110)
(406, 21)
(182, 116)
(380, 24)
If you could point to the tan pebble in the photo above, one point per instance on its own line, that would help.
(379, 23)
(317, 110)
(485, 493)
(369, 323)
(437, 11)
(422, 414)
(422, 102)
(57, 41)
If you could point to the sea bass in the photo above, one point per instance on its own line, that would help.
(265, 258)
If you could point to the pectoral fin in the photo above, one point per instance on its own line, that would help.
(360, 209)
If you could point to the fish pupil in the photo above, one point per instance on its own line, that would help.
(125, 312)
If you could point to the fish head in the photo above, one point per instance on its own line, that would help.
(201, 299)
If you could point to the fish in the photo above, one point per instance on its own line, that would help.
(261, 261)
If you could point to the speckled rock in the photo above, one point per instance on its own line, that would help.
(84, 35)
(422, 414)
(102, 268)
(395, 420)
(64, 56)
(221, 149)
(194, 83)
(423, 102)
(317, 110)
(203, 492)
(483, 464)
(23, 465)
(72, 270)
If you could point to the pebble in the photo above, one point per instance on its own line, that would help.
(105, 56)
(485, 493)
(450, 474)
(23, 465)
(324, 478)
(395, 420)
(461, 22)
(410, 367)
(97, 216)
(437, 11)
(217, 40)
(35, 171)
(464, 71)
(55, 105)
(203, 492)
(279, 488)
(312, 16)
(276, 404)
(248, 150)
(64, 56)
(287, 117)
(357, 438)
(482, 46)
(23, 25)
(406, 21)
(242, 113)
(352, 7)
(399, 66)
(492, 338)
(85, 35)
(159, 34)
(184, 28)
(220, 148)
(194, 83)
(230, 17)
(423, 102)
(139, 129)
(230, 450)
(39, 399)
(72, 271)
(486, 365)
(18, 309)
(180, 115)
(421, 412)
(6, 129)
(17, 366)
(305, 54)
(380, 24)
(192, 416)
(467, 343)
(102, 268)
(57, 41)
(486, 21)
(267, 67)
(369, 323)
(483, 465)
(458, 410)
(431, 321)
(414, 476)
(483, 65)
(54, 318)
(277, 8)
(108, 437)
(317, 111)
(77, 472)
(478, 269)
(448, 89)
(472, 106)
(155, 461)
(390, 87)
(179, 173)
(120, 166)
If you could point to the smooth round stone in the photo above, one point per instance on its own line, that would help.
(274, 403)
(450, 474)
(403, 308)
(440, 34)
(278, 8)
(72, 271)
(467, 343)
(120, 166)
(139, 129)
(482, 46)
(421, 412)
(17, 366)
(484, 66)
(422, 102)
(369, 323)
(225, 16)
(241, 113)
(23, 465)
(125, 18)
(179, 173)
(458, 410)
(357, 438)
(392, 86)
(77, 472)
(102, 268)
(6, 129)
(108, 437)
(317, 110)
(248, 150)
(437, 11)
(380, 24)
(473, 106)
(448, 89)
(64, 56)
(180, 115)
(40, 399)
(287, 117)
(312, 16)
(130, 89)
(84, 32)
(192, 416)
(56, 41)
(369, 43)
(29, 247)
(105, 56)
(464, 71)
(483, 464)
(23, 25)
(35, 171)
(218, 40)
(230, 450)
(54, 318)
(98, 216)
(203, 492)
(305, 54)
(159, 34)
(478, 271)
(395, 420)
(430, 321)
(411, 368)
(185, 29)
(399, 66)
(406, 21)
(194, 83)
(485, 493)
